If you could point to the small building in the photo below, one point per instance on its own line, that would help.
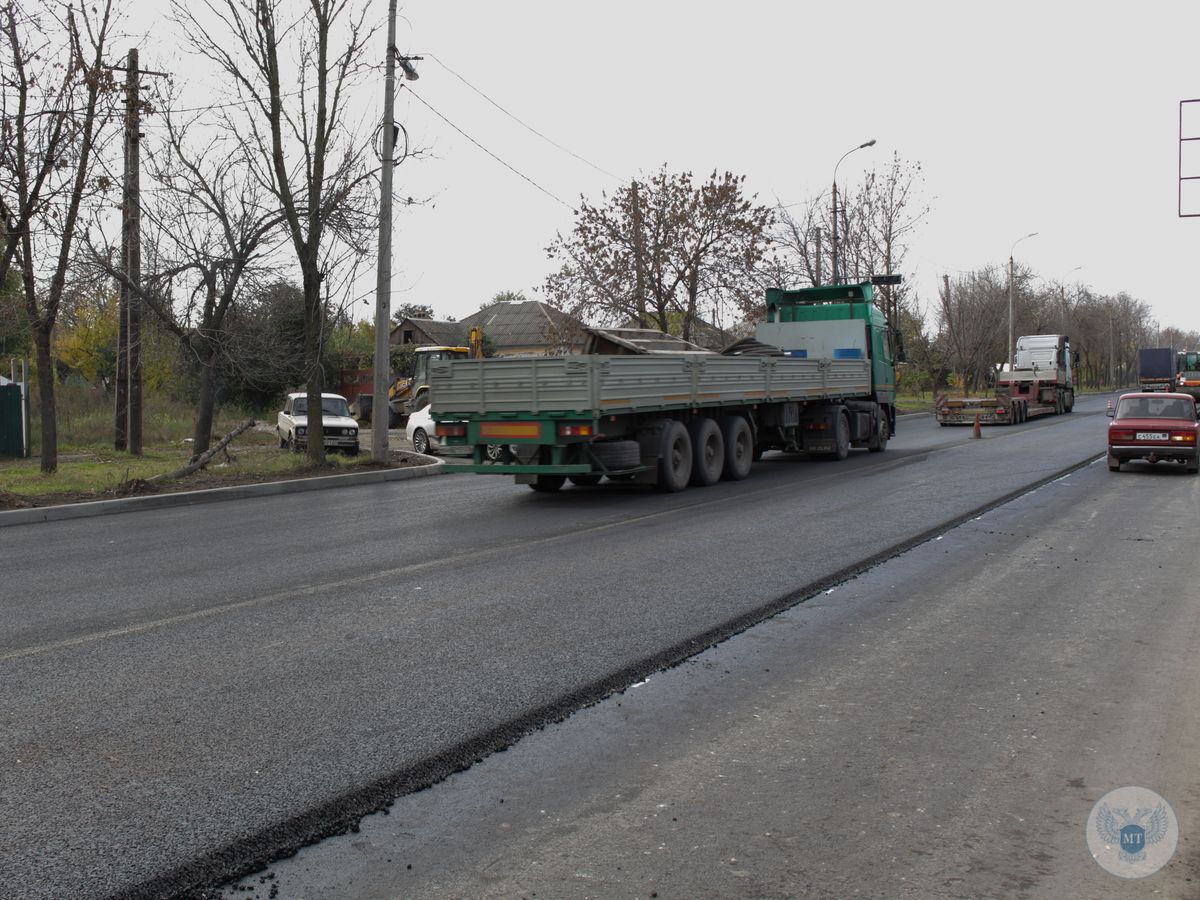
(528, 328)
(429, 333)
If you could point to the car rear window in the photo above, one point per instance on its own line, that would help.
(1155, 408)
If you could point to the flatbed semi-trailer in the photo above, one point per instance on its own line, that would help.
(819, 378)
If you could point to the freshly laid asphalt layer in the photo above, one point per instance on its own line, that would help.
(568, 684)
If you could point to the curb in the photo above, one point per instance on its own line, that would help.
(211, 495)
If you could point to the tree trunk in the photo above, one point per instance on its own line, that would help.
(45, 370)
(206, 402)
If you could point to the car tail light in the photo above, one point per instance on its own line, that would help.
(574, 430)
(1117, 435)
(1185, 437)
(451, 430)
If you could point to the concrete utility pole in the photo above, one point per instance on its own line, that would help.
(383, 278)
(862, 146)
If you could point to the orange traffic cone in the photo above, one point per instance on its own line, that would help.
(976, 432)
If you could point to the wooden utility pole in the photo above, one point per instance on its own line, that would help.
(638, 262)
(121, 415)
(817, 231)
(127, 421)
(132, 240)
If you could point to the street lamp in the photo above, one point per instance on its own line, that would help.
(870, 143)
(1011, 345)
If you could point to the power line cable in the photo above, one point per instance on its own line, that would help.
(523, 124)
(489, 152)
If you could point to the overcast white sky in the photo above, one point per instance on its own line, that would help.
(1058, 118)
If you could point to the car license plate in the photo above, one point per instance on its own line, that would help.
(1151, 435)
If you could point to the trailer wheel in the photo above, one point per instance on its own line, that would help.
(739, 447)
(708, 451)
(675, 464)
(548, 484)
(879, 440)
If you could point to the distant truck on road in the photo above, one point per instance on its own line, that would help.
(1187, 373)
(643, 407)
(1156, 369)
(1039, 384)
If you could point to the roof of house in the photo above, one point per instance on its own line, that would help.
(525, 324)
(439, 332)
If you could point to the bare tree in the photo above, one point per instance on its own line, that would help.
(212, 230)
(54, 96)
(874, 225)
(666, 253)
(295, 64)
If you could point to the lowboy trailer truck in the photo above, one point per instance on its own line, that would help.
(819, 377)
(1040, 384)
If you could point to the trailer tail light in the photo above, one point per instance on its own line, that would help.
(451, 430)
(574, 430)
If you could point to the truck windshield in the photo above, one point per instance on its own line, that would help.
(1187, 362)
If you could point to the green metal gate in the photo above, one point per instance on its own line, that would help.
(14, 422)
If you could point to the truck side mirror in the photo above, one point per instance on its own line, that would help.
(898, 340)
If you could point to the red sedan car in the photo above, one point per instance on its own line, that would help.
(1153, 427)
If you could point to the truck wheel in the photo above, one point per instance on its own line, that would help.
(422, 401)
(548, 484)
(739, 447)
(843, 436)
(1070, 402)
(585, 480)
(708, 451)
(675, 463)
(879, 440)
(1058, 405)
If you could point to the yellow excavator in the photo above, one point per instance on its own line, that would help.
(407, 395)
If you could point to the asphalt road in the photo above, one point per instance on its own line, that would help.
(938, 727)
(189, 692)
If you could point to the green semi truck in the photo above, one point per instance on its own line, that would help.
(639, 406)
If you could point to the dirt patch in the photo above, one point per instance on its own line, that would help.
(199, 481)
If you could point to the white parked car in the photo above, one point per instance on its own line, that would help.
(421, 431)
(341, 431)
(422, 434)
